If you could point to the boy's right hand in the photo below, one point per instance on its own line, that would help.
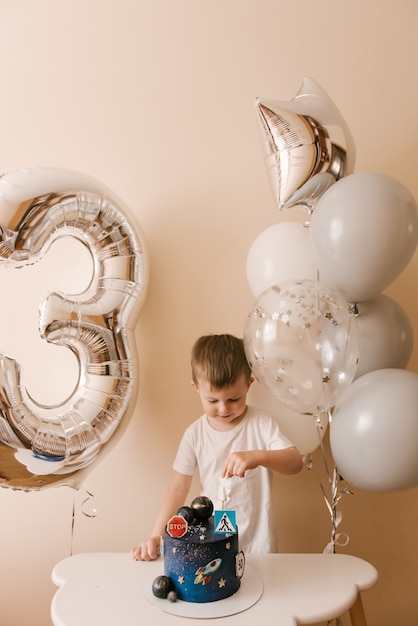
(148, 550)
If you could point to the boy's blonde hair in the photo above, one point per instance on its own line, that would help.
(220, 360)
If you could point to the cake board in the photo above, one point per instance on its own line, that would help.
(248, 594)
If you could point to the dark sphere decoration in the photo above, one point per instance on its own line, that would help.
(186, 512)
(162, 586)
(202, 507)
(172, 596)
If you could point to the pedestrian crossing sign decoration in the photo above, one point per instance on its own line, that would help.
(225, 522)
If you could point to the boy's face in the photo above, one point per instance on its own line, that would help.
(224, 407)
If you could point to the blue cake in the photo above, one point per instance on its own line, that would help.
(203, 565)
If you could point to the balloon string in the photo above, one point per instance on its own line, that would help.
(319, 427)
(91, 514)
(72, 527)
(332, 501)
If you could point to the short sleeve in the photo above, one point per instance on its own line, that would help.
(274, 439)
(185, 460)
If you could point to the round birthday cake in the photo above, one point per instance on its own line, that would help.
(202, 560)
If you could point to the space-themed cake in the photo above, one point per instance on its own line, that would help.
(202, 560)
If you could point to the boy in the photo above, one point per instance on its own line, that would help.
(235, 447)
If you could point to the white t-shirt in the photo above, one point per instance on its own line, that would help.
(206, 448)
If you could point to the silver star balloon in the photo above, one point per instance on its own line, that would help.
(307, 145)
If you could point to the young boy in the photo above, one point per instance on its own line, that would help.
(235, 447)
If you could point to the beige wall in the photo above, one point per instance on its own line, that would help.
(156, 99)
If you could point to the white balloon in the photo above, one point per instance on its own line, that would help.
(385, 335)
(280, 253)
(374, 431)
(363, 232)
(304, 431)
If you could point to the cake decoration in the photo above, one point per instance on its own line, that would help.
(225, 522)
(202, 508)
(204, 573)
(177, 526)
(224, 491)
(162, 586)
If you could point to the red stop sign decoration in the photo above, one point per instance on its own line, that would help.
(177, 526)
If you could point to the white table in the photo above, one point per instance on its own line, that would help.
(110, 589)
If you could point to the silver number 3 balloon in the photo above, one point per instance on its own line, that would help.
(40, 445)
